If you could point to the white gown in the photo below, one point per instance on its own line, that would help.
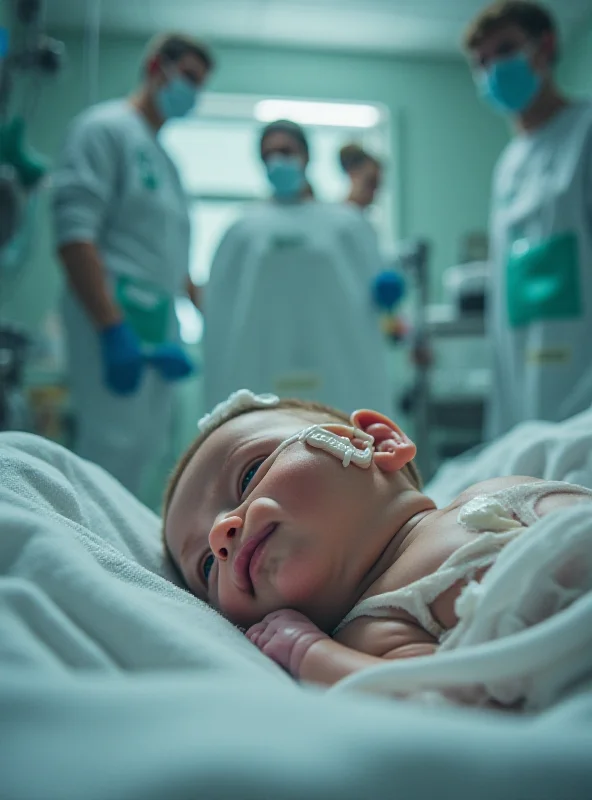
(288, 309)
(116, 186)
(543, 194)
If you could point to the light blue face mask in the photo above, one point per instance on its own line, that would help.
(509, 85)
(286, 175)
(177, 97)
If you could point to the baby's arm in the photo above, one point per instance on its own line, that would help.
(308, 654)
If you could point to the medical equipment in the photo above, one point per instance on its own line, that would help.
(32, 55)
(448, 422)
(14, 412)
(412, 258)
(323, 438)
(21, 168)
(466, 287)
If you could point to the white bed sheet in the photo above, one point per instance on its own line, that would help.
(115, 683)
(553, 451)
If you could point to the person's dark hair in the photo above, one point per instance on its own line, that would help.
(353, 155)
(534, 19)
(173, 46)
(288, 127)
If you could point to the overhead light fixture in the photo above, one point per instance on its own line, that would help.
(343, 115)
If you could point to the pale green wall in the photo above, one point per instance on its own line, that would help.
(449, 145)
(575, 72)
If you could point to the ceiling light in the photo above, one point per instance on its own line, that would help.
(312, 113)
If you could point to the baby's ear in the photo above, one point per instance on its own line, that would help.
(392, 448)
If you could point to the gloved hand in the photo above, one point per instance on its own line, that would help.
(171, 361)
(388, 288)
(122, 358)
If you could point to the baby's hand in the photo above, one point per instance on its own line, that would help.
(285, 636)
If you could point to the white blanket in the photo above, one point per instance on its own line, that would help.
(553, 451)
(84, 566)
(524, 636)
(115, 683)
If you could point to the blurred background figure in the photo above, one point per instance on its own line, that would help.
(122, 229)
(365, 174)
(288, 306)
(403, 233)
(541, 221)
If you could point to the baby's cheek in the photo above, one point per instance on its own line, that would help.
(236, 606)
(310, 484)
(299, 579)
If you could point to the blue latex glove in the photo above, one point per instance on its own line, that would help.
(171, 361)
(122, 358)
(388, 288)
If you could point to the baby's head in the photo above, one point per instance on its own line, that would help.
(255, 524)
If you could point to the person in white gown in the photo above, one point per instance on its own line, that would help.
(121, 225)
(540, 316)
(288, 308)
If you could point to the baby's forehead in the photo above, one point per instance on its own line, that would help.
(273, 425)
(257, 424)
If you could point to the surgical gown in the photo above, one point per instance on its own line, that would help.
(541, 302)
(288, 309)
(116, 186)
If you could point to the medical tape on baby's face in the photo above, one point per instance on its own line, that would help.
(342, 447)
(323, 438)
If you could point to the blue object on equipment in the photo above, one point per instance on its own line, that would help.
(388, 289)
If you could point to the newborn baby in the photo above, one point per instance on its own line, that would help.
(309, 530)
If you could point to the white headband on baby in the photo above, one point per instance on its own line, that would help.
(243, 400)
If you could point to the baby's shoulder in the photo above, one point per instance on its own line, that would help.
(491, 486)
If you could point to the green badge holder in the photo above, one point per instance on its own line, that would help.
(543, 280)
(147, 173)
(145, 308)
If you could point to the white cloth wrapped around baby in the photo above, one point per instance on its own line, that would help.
(524, 635)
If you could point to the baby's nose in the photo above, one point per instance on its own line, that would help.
(223, 531)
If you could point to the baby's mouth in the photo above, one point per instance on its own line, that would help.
(248, 556)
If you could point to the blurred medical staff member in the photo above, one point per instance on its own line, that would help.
(365, 174)
(541, 221)
(122, 229)
(288, 306)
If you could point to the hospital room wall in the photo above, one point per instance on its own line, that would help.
(575, 71)
(446, 149)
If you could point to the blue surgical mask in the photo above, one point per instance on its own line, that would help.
(177, 97)
(510, 85)
(286, 175)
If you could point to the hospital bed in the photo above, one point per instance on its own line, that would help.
(115, 682)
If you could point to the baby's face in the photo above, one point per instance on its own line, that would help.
(313, 520)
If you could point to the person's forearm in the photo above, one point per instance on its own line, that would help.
(86, 275)
(328, 661)
(195, 294)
